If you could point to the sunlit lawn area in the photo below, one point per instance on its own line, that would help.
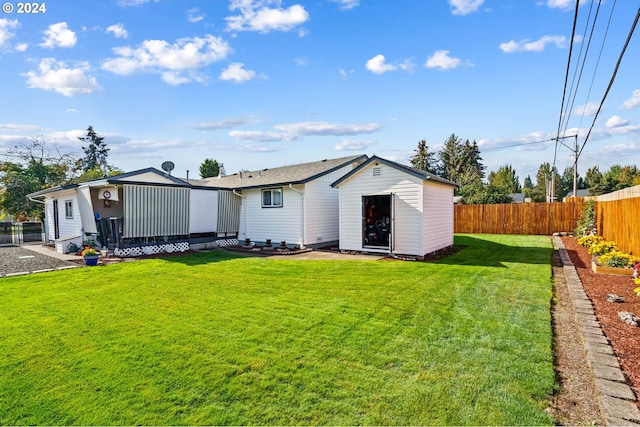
(215, 338)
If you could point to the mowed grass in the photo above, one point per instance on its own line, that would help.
(218, 339)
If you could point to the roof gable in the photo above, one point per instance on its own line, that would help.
(423, 175)
(294, 174)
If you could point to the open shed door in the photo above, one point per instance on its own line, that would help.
(377, 221)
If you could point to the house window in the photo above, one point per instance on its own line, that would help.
(68, 209)
(272, 198)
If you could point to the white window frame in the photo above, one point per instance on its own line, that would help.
(271, 192)
(68, 209)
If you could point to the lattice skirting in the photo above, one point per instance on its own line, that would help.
(151, 249)
(227, 242)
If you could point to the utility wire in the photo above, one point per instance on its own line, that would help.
(584, 60)
(613, 77)
(604, 40)
(566, 78)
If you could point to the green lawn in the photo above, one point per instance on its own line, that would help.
(214, 338)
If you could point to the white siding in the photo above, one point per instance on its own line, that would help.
(283, 223)
(322, 221)
(148, 177)
(407, 208)
(438, 216)
(203, 211)
(69, 227)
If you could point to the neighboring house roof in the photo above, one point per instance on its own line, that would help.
(517, 197)
(294, 174)
(459, 200)
(123, 178)
(425, 176)
(580, 193)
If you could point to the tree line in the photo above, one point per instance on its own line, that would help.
(460, 161)
(37, 165)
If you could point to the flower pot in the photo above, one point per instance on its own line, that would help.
(91, 260)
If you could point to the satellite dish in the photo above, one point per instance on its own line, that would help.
(168, 166)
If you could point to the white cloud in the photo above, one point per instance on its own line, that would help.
(533, 46)
(354, 145)
(265, 16)
(632, 102)
(587, 110)
(465, 7)
(237, 73)
(195, 15)
(261, 136)
(561, 4)
(6, 26)
(347, 4)
(177, 63)
(58, 35)
(345, 73)
(326, 128)
(228, 123)
(377, 65)
(55, 75)
(118, 31)
(21, 47)
(293, 131)
(441, 59)
(10, 127)
(616, 121)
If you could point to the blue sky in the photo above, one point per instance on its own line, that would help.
(266, 83)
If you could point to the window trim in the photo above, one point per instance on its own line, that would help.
(271, 192)
(68, 209)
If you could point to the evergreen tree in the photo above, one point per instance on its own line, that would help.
(505, 179)
(527, 187)
(96, 152)
(423, 159)
(542, 190)
(209, 168)
(594, 181)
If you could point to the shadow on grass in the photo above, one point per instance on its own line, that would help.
(204, 257)
(481, 251)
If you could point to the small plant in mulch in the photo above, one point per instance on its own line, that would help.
(602, 247)
(617, 259)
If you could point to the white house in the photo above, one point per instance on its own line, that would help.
(295, 204)
(134, 209)
(387, 207)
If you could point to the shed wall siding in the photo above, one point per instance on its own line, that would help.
(438, 216)
(229, 205)
(283, 223)
(48, 215)
(151, 211)
(69, 227)
(322, 220)
(407, 208)
(203, 211)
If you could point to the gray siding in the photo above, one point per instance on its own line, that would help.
(438, 216)
(228, 212)
(155, 211)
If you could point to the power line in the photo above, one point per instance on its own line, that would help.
(613, 77)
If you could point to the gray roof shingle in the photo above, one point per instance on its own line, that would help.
(284, 175)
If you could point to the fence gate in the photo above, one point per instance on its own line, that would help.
(21, 232)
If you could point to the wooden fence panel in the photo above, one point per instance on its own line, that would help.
(616, 222)
(517, 218)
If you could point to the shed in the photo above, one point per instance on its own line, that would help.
(295, 203)
(388, 207)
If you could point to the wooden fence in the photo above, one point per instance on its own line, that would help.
(616, 216)
(517, 218)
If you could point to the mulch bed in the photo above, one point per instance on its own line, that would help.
(624, 339)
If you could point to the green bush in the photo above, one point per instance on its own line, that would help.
(587, 220)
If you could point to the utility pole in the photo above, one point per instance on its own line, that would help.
(575, 168)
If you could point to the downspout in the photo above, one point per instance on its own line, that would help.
(301, 215)
(246, 225)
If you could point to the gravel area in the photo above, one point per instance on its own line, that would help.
(14, 259)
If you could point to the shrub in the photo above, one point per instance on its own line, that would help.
(587, 219)
(588, 241)
(602, 248)
(616, 259)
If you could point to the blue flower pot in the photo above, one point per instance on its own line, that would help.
(91, 260)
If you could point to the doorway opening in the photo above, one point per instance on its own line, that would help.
(376, 227)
